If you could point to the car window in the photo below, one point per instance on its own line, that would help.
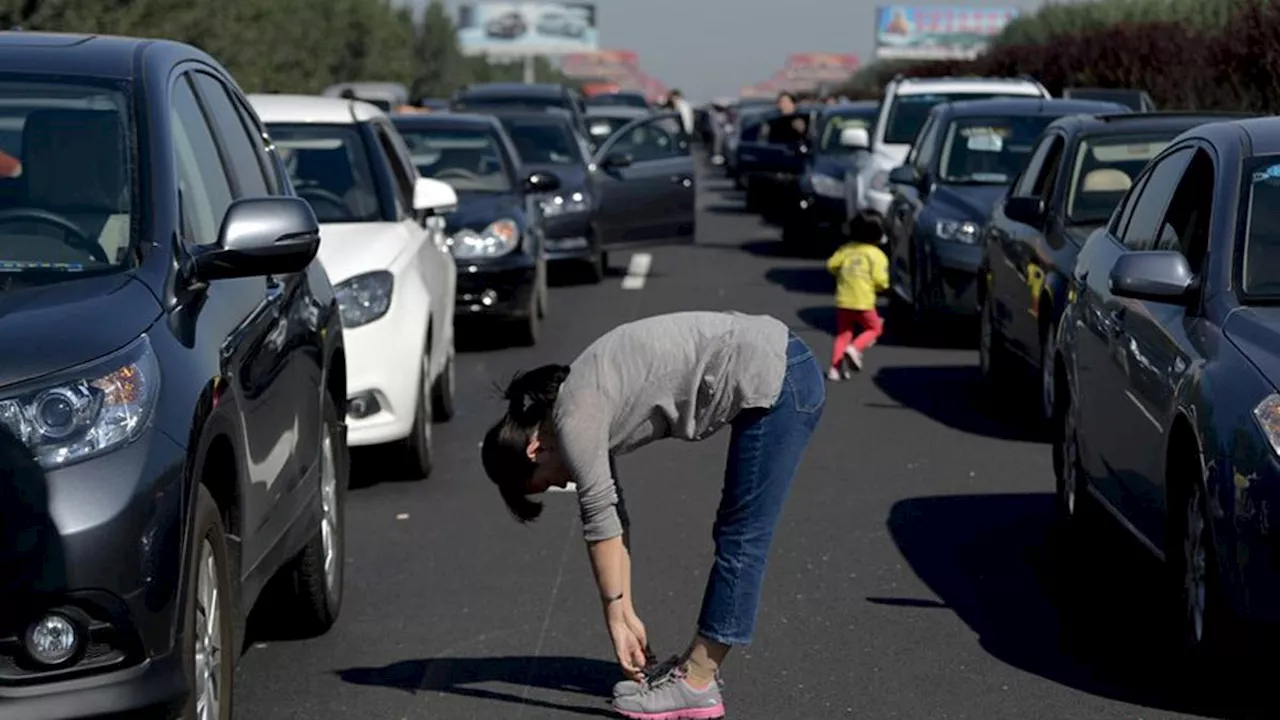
(913, 155)
(1102, 171)
(634, 100)
(204, 192)
(248, 176)
(1148, 210)
(276, 181)
(1186, 223)
(988, 151)
(655, 139)
(539, 142)
(1043, 187)
(65, 175)
(1261, 223)
(601, 127)
(908, 112)
(402, 180)
(469, 160)
(1027, 180)
(833, 125)
(329, 167)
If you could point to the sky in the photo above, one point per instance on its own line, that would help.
(709, 48)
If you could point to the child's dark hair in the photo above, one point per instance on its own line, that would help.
(531, 397)
(866, 227)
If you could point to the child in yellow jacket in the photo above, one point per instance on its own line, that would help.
(862, 272)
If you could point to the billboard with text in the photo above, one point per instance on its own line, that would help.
(938, 32)
(527, 28)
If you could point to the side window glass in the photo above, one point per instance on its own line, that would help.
(1148, 211)
(260, 139)
(1049, 171)
(243, 154)
(404, 183)
(1031, 173)
(926, 144)
(204, 194)
(1186, 224)
(1124, 211)
(656, 139)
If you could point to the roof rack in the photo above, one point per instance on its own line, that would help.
(1111, 117)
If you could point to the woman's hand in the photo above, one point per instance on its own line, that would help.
(628, 646)
(636, 627)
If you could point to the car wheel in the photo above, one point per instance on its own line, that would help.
(208, 638)
(1208, 632)
(1066, 461)
(991, 351)
(530, 327)
(315, 593)
(921, 313)
(443, 393)
(596, 268)
(419, 447)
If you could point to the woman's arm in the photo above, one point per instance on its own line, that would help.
(612, 567)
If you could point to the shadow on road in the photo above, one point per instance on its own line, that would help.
(464, 676)
(814, 280)
(1092, 624)
(956, 396)
(897, 333)
(729, 208)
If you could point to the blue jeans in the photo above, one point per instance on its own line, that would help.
(764, 452)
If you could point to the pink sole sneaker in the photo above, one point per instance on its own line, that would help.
(706, 713)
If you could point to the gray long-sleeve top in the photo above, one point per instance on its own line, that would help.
(683, 375)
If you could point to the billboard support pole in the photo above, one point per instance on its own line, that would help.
(530, 70)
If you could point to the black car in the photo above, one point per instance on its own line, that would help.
(508, 26)
(603, 121)
(822, 207)
(644, 178)
(622, 98)
(1079, 171)
(494, 97)
(173, 382)
(496, 235)
(1168, 401)
(964, 158)
(548, 142)
(772, 155)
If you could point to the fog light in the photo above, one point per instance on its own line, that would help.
(362, 406)
(488, 298)
(52, 640)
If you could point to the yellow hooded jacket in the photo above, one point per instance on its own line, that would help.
(862, 272)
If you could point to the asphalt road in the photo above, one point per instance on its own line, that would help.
(914, 575)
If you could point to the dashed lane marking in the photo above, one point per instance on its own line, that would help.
(637, 271)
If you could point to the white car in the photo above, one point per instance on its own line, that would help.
(394, 279)
(555, 23)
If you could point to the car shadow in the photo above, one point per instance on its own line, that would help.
(477, 678)
(1078, 613)
(897, 331)
(957, 396)
(727, 209)
(810, 280)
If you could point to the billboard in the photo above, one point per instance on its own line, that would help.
(943, 32)
(527, 28)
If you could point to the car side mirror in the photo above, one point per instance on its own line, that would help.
(541, 182)
(617, 159)
(856, 138)
(1025, 209)
(905, 175)
(260, 236)
(434, 197)
(1157, 275)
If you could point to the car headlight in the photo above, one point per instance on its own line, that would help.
(500, 238)
(957, 231)
(566, 204)
(87, 411)
(364, 298)
(1267, 413)
(827, 186)
(880, 181)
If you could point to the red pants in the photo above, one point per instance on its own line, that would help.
(868, 321)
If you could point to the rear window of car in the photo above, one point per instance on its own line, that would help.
(908, 112)
(1103, 170)
(469, 160)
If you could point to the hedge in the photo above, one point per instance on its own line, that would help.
(1231, 66)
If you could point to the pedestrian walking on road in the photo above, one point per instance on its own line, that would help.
(862, 272)
(686, 376)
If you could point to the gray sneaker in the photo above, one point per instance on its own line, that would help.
(652, 672)
(671, 698)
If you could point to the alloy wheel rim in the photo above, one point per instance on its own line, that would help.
(1196, 563)
(329, 520)
(208, 660)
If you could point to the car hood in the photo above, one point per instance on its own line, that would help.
(476, 210)
(967, 202)
(350, 249)
(1255, 331)
(49, 328)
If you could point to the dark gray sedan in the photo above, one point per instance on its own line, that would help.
(1168, 360)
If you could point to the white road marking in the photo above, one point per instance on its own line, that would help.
(570, 488)
(637, 270)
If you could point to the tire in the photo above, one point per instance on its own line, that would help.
(1048, 375)
(313, 598)
(530, 326)
(444, 392)
(596, 269)
(419, 448)
(1207, 632)
(993, 357)
(209, 587)
(1071, 494)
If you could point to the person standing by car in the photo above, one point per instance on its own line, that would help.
(682, 106)
(684, 375)
(862, 272)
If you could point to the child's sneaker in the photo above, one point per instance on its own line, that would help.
(834, 374)
(855, 356)
(672, 698)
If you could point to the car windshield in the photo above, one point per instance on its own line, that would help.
(833, 125)
(1102, 171)
(329, 166)
(908, 112)
(541, 142)
(66, 177)
(624, 99)
(602, 126)
(469, 160)
(988, 151)
(1261, 259)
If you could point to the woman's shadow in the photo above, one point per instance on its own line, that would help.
(465, 676)
(32, 558)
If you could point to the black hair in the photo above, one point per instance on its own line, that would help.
(787, 95)
(531, 398)
(866, 227)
